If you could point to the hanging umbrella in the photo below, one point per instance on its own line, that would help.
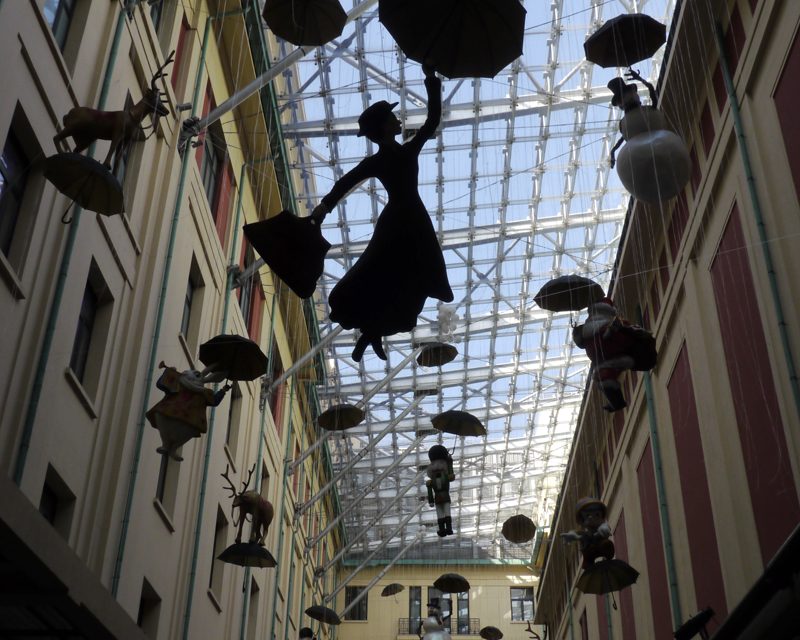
(340, 417)
(459, 423)
(458, 38)
(491, 633)
(451, 583)
(519, 529)
(392, 589)
(436, 354)
(305, 22)
(238, 357)
(292, 247)
(323, 614)
(86, 181)
(248, 554)
(306, 632)
(607, 576)
(625, 40)
(568, 293)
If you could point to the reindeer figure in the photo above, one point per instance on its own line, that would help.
(250, 503)
(86, 125)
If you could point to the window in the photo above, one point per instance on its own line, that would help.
(178, 72)
(122, 156)
(248, 286)
(58, 14)
(192, 305)
(156, 11)
(149, 609)
(90, 337)
(521, 604)
(252, 610)
(217, 566)
(462, 612)
(276, 397)
(57, 502)
(234, 415)
(166, 486)
(414, 610)
(359, 610)
(83, 336)
(14, 165)
(211, 166)
(264, 488)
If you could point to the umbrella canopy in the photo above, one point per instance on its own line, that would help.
(323, 614)
(451, 583)
(458, 38)
(391, 589)
(306, 632)
(292, 247)
(436, 354)
(305, 22)
(248, 554)
(519, 529)
(459, 423)
(86, 181)
(340, 417)
(625, 40)
(568, 293)
(491, 633)
(238, 357)
(606, 576)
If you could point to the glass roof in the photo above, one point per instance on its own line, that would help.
(518, 186)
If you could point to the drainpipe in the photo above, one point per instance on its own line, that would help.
(608, 618)
(52, 318)
(666, 529)
(151, 364)
(757, 212)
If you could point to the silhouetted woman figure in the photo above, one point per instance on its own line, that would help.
(402, 266)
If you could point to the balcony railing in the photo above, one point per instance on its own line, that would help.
(413, 626)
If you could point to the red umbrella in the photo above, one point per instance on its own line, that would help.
(458, 38)
(305, 22)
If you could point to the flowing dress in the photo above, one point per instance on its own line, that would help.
(402, 266)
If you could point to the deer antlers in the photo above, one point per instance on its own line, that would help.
(231, 486)
(160, 73)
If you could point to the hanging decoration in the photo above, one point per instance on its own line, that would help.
(433, 625)
(614, 345)
(292, 247)
(609, 574)
(392, 589)
(440, 474)
(239, 357)
(340, 417)
(625, 40)
(249, 503)
(306, 633)
(85, 180)
(305, 22)
(459, 423)
(519, 529)
(568, 293)
(451, 583)
(458, 38)
(323, 614)
(436, 354)
(491, 633)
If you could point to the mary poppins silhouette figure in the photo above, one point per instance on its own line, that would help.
(384, 292)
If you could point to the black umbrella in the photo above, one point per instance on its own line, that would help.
(459, 423)
(568, 293)
(238, 357)
(323, 614)
(305, 22)
(340, 417)
(248, 554)
(519, 529)
(292, 247)
(607, 576)
(458, 38)
(491, 633)
(451, 583)
(625, 40)
(86, 181)
(392, 589)
(436, 354)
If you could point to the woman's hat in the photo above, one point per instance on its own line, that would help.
(583, 503)
(619, 88)
(374, 114)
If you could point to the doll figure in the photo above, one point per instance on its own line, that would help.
(432, 625)
(613, 345)
(593, 535)
(402, 266)
(440, 474)
(181, 414)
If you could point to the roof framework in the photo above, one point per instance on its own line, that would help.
(519, 189)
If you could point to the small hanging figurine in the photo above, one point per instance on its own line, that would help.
(609, 574)
(433, 625)
(440, 474)
(654, 164)
(181, 414)
(614, 345)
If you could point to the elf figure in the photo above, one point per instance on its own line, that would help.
(440, 474)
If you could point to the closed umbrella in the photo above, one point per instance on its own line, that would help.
(305, 22)
(568, 293)
(458, 38)
(625, 40)
(238, 357)
(459, 423)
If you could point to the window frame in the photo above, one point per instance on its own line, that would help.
(526, 596)
(62, 8)
(361, 609)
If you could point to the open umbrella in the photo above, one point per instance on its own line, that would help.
(292, 247)
(305, 22)
(451, 583)
(323, 614)
(568, 293)
(238, 357)
(86, 181)
(607, 576)
(392, 589)
(436, 354)
(458, 38)
(459, 423)
(625, 40)
(519, 529)
(491, 633)
(248, 554)
(340, 417)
